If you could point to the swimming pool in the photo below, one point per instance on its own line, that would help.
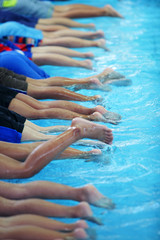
(129, 172)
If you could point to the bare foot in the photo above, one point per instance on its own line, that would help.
(90, 26)
(87, 64)
(103, 75)
(93, 98)
(113, 75)
(95, 81)
(110, 11)
(95, 151)
(96, 116)
(92, 130)
(98, 34)
(100, 109)
(109, 76)
(92, 83)
(91, 195)
(107, 116)
(84, 212)
(102, 44)
(72, 226)
(117, 79)
(79, 233)
(89, 55)
(92, 155)
(81, 224)
(98, 100)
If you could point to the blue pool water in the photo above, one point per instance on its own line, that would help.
(129, 171)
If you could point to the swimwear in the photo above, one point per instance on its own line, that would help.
(11, 119)
(23, 40)
(6, 45)
(10, 135)
(7, 79)
(17, 29)
(5, 72)
(20, 64)
(31, 8)
(9, 16)
(6, 96)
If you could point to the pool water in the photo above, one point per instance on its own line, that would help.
(129, 171)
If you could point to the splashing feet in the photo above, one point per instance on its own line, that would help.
(101, 114)
(109, 76)
(94, 98)
(91, 195)
(92, 154)
(96, 116)
(95, 152)
(81, 224)
(101, 43)
(97, 34)
(103, 76)
(84, 212)
(92, 130)
(110, 11)
(72, 226)
(86, 142)
(112, 117)
(89, 55)
(91, 26)
(87, 64)
(78, 233)
(94, 83)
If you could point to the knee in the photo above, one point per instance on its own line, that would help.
(14, 191)
(21, 172)
(19, 191)
(28, 171)
(32, 114)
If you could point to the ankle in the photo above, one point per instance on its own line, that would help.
(81, 194)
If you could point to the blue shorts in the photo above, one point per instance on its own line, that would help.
(28, 54)
(17, 29)
(32, 8)
(20, 64)
(10, 135)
